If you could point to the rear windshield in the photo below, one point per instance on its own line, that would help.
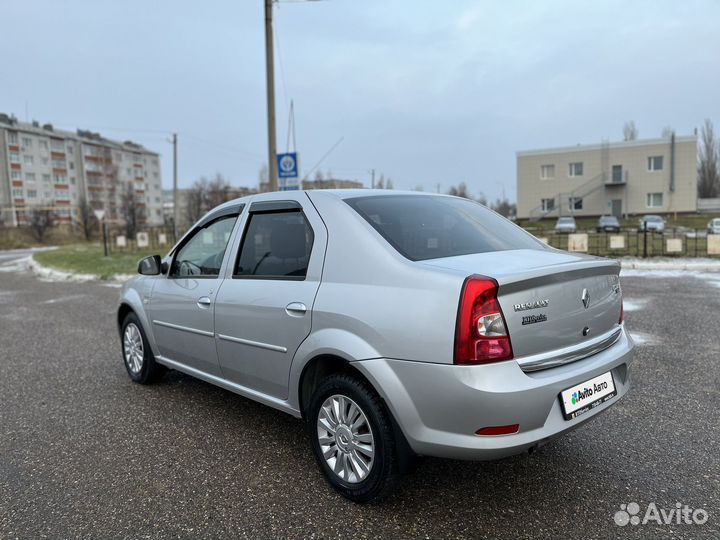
(425, 227)
(566, 220)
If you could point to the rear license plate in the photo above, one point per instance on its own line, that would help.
(584, 397)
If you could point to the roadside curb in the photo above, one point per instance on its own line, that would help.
(52, 274)
(689, 265)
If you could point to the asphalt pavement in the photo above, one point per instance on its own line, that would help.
(85, 453)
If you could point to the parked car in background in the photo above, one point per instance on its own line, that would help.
(565, 225)
(608, 224)
(652, 223)
(714, 226)
(393, 324)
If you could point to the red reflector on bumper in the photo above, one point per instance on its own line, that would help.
(498, 430)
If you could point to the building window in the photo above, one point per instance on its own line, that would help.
(14, 157)
(70, 149)
(45, 160)
(32, 194)
(12, 137)
(575, 169)
(43, 145)
(655, 163)
(30, 177)
(72, 165)
(17, 193)
(16, 175)
(548, 205)
(58, 164)
(654, 200)
(57, 145)
(46, 178)
(546, 172)
(27, 143)
(72, 180)
(60, 179)
(575, 203)
(28, 160)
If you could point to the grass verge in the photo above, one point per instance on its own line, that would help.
(89, 259)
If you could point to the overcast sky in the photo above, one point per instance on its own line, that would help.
(425, 92)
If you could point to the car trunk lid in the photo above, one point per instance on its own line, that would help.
(556, 304)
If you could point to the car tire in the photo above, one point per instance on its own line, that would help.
(138, 357)
(345, 450)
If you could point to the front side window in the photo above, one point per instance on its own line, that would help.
(276, 246)
(655, 163)
(575, 169)
(422, 227)
(654, 200)
(202, 255)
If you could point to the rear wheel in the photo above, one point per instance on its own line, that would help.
(139, 360)
(352, 438)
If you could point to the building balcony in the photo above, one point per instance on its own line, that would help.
(618, 177)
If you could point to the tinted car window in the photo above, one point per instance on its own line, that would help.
(424, 227)
(276, 245)
(202, 255)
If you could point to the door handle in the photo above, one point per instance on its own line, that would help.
(296, 309)
(204, 302)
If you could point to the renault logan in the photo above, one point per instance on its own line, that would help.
(394, 325)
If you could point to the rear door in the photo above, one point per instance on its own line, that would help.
(263, 310)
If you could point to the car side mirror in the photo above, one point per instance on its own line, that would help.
(151, 266)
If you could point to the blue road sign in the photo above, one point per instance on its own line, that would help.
(287, 165)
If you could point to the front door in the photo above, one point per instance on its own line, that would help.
(263, 311)
(616, 205)
(181, 306)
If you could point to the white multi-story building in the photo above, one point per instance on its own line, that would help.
(42, 167)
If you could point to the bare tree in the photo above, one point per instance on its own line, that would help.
(86, 218)
(207, 194)
(380, 184)
(708, 163)
(504, 207)
(667, 132)
(389, 184)
(630, 131)
(319, 177)
(130, 211)
(459, 191)
(419, 188)
(40, 220)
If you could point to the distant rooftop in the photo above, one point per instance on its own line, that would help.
(82, 135)
(611, 145)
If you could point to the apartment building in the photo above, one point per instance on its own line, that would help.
(654, 176)
(43, 167)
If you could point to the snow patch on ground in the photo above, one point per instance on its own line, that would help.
(631, 304)
(16, 265)
(641, 338)
(670, 264)
(50, 274)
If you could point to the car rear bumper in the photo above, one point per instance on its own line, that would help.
(439, 407)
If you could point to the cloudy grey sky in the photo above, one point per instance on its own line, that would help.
(425, 92)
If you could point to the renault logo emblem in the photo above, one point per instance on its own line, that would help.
(585, 298)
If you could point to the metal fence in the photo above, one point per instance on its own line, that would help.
(635, 243)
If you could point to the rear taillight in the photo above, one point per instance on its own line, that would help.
(481, 335)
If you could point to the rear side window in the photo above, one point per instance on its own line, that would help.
(424, 227)
(275, 246)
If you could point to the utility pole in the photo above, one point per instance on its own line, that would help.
(175, 189)
(372, 179)
(270, 82)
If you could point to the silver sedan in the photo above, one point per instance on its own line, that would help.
(395, 325)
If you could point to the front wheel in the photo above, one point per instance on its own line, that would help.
(139, 359)
(352, 438)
